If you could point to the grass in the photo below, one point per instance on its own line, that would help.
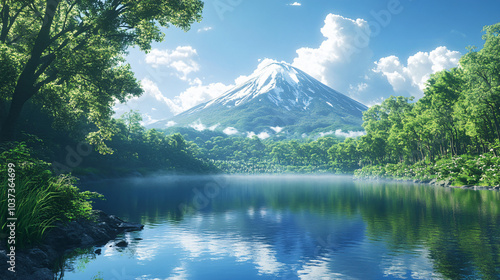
(41, 198)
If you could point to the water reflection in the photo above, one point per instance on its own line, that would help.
(298, 228)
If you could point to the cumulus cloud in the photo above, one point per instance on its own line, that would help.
(263, 135)
(189, 98)
(412, 77)
(230, 131)
(182, 60)
(295, 4)
(341, 56)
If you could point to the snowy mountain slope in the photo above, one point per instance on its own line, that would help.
(278, 95)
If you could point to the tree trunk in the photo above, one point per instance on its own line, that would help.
(8, 130)
(25, 86)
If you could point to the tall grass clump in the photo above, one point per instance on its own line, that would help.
(42, 198)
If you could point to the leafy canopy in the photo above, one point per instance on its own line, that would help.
(68, 55)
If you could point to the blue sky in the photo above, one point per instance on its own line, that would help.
(366, 49)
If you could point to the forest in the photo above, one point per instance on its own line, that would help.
(57, 93)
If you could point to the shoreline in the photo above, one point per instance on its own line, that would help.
(433, 182)
(41, 261)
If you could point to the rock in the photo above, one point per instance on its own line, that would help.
(137, 238)
(121, 243)
(433, 181)
(40, 257)
(43, 274)
(444, 183)
(130, 226)
(36, 262)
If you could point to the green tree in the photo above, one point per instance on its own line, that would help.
(67, 55)
(482, 97)
(132, 121)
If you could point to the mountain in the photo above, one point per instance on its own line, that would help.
(276, 99)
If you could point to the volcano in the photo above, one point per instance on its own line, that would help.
(276, 99)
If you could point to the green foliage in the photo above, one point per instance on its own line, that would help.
(482, 170)
(68, 57)
(41, 198)
(144, 151)
(452, 133)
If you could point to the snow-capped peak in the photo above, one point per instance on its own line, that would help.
(281, 84)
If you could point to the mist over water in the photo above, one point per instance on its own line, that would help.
(294, 227)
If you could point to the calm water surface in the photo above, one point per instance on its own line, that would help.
(298, 227)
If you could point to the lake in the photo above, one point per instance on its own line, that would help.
(294, 227)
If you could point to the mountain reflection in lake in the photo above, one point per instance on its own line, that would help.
(296, 227)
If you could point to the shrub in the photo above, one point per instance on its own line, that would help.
(41, 197)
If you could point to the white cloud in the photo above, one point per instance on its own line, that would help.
(181, 60)
(197, 125)
(412, 77)
(277, 129)
(263, 135)
(342, 56)
(230, 131)
(358, 88)
(339, 132)
(295, 4)
(170, 124)
(204, 29)
(151, 89)
(213, 127)
(147, 120)
(196, 94)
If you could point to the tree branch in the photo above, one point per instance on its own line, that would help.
(45, 61)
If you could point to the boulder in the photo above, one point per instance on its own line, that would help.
(36, 262)
(121, 243)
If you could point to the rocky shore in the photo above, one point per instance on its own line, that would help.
(37, 262)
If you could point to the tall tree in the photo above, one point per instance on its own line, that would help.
(67, 55)
(482, 97)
